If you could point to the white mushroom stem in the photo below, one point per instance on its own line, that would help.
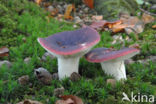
(66, 66)
(115, 68)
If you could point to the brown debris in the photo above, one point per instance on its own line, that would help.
(4, 51)
(23, 80)
(58, 91)
(75, 77)
(97, 18)
(98, 25)
(43, 75)
(28, 101)
(154, 26)
(69, 99)
(146, 18)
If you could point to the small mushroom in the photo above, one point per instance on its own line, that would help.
(68, 47)
(112, 61)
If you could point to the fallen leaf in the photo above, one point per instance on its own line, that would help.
(126, 23)
(4, 51)
(136, 28)
(113, 23)
(68, 11)
(38, 2)
(97, 18)
(101, 24)
(89, 3)
(130, 20)
(76, 99)
(98, 24)
(69, 99)
(118, 28)
(154, 26)
(134, 24)
(146, 18)
(28, 101)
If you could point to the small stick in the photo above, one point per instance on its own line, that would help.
(147, 12)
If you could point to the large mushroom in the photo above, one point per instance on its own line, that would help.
(68, 47)
(112, 61)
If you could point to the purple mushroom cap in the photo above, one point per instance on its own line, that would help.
(105, 54)
(70, 42)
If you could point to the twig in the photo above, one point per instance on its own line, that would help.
(147, 12)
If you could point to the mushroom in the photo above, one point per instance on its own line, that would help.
(112, 61)
(68, 47)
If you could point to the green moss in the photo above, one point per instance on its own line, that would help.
(9, 20)
(92, 87)
(7, 27)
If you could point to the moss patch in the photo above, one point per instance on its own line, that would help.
(92, 87)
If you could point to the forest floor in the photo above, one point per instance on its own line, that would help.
(19, 32)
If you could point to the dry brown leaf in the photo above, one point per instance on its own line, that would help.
(38, 2)
(131, 20)
(126, 23)
(68, 101)
(146, 18)
(4, 51)
(98, 24)
(97, 18)
(119, 28)
(154, 26)
(89, 3)
(76, 99)
(136, 28)
(28, 101)
(134, 24)
(68, 11)
(112, 24)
